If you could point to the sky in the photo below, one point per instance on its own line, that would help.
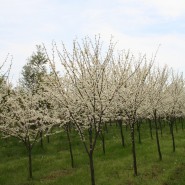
(138, 25)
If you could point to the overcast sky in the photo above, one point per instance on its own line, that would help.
(138, 25)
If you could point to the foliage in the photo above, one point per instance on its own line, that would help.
(35, 69)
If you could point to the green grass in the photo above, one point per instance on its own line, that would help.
(51, 165)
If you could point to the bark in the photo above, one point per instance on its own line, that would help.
(138, 130)
(41, 139)
(89, 150)
(121, 132)
(150, 126)
(133, 149)
(176, 127)
(160, 126)
(103, 142)
(30, 160)
(172, 133)
(70, 147)
(69, 126)
(157, 136)
(91, 162)
(91, 167)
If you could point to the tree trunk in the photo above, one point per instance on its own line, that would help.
(91, 167)
(70, 146)
(157, 136)
(121, 132)
(172, 133)
(133, 149)
(91, 157)
(103, 142)
(160, 125)
(69, 126)
(174, 121)
(30, 160)
(138, 130)
(150, 126)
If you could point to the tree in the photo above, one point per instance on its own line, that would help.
(93, 84)
(157, 83)
(174, 101)
(5, 86)
(33, 73)
(34, 70)
(135, 92)
(23, 118)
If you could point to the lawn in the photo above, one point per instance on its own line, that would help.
(51, 164)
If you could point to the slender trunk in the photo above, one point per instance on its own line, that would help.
(157, 136)
(92, 167)
(30, 160)
(175, 125)
(172, 133)
(138, 130)
(103, 142)
(91, 157)
(121, 132)
(70, 146)
(150, 126)
(133, 149)
(69, 127)
(160, 125)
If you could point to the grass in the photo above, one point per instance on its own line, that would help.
(51, 165)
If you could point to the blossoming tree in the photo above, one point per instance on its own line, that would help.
(92, 85)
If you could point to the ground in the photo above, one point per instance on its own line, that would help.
(51, 164)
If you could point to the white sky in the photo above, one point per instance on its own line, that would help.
(138, 25)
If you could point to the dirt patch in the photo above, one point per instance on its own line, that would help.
(176, 176)
(129, 182)
(154, 172)
(55, 174)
